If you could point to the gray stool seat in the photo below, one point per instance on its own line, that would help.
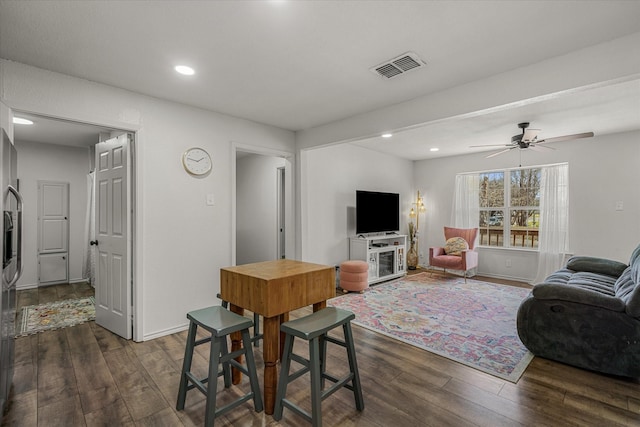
(219, 322)
(314, 328)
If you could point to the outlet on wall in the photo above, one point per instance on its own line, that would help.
(507, 262)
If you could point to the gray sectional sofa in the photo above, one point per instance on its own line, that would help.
(587, 315)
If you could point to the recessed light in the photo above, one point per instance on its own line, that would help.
(434, 149)
(183, 69)
(21, 121)
(387, 135)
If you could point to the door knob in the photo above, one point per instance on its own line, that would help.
(93, 242)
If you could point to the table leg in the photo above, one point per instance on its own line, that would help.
(284, 317)
(236, 344)
(319, 306)
(270, 352)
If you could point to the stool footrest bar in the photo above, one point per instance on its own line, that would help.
(298, 410)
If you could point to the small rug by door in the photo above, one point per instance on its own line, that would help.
(56, 315)
(473, 323)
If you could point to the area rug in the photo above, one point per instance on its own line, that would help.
(56, 315)
(472, 323)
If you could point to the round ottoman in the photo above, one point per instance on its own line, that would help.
(354, 275)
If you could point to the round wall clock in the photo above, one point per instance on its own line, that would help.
(196, 161)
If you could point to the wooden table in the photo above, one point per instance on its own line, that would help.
(273, 289)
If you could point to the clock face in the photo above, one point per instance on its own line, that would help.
(196, 161)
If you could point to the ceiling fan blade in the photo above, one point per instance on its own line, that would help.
(499, 152)
(536, 147)
(490, 145)
(530, 134)
(566, 137)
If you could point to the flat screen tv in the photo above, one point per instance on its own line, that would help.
(377, 212)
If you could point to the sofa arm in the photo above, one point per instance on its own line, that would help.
(553, 291)
(596, 265)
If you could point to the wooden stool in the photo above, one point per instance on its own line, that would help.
(314, 328)
(257, 336)
(354, 276)
(220, 323)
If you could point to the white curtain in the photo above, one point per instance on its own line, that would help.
(466, 201)
(554, 220)
(88, 258)
(465, 212)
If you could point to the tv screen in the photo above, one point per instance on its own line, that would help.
(377, 212)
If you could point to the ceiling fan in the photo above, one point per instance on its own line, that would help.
(529, 139)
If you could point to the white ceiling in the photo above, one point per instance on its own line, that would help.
(602, 110)
(52, 131)
(301, 64)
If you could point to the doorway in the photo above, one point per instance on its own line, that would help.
(262, 205)
(55, 149)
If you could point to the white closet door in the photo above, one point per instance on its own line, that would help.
(53, 232)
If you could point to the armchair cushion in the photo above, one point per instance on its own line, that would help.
(455, 246)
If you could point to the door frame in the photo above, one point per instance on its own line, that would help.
(281, 211)
(135, 185)
(289, 186)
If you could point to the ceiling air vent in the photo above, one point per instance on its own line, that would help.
(400, 65)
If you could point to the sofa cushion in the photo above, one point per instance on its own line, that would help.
(581, 279)
(455, 246)
(593, 282)
(578, 295)
(596, 265)
(627, 288)
(561, 276)
(634, 255)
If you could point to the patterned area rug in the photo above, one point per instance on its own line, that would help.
(56, 315)
(473, 323)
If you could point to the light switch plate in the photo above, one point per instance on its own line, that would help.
(210, 199)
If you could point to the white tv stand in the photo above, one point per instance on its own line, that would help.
(385, 254)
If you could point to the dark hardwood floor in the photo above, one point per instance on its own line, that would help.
(86, 376)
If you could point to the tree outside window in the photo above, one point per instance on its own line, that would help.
(512, 194)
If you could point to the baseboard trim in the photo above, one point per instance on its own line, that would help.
(505, 277)
(165, 332)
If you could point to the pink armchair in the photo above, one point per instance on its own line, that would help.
(467, 259)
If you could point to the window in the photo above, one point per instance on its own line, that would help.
(509, 203)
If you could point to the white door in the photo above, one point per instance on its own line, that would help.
(113, 231)
(53, 232)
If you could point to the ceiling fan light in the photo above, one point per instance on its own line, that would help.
(185, 70)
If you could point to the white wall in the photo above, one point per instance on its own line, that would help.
(52, 163)
(182, 243)
(333, 174)
(602, 171)
(256, 208)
